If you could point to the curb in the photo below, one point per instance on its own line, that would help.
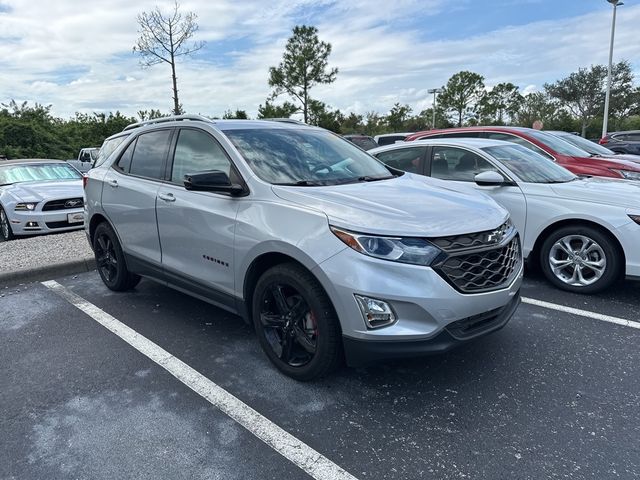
(46, 272)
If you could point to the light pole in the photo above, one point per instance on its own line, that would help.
(605, 121)
(435, 91)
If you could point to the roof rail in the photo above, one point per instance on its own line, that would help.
(173, 118)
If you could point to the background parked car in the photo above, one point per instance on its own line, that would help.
(595, 149)
(39, 196)
(583, 233)
(365, 142)
(389, 138)
(623, 142)
(569, 156)
(85, 160)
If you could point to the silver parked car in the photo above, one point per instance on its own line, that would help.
(583, 233)
(313, 241)
(39, 196)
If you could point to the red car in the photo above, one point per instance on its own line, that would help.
(569, 156)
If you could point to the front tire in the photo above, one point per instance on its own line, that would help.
(296, 323)
(5, 227)
(580, 259)
(110, 260)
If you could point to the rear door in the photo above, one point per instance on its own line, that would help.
(197, 228)
(130, 191)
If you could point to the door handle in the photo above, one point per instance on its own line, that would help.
(167, 197)
(113, 183)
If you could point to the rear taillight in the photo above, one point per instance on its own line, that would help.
(85, 179)
(603, 141)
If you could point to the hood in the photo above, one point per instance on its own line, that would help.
(609, 191)
(51, 190)
(409, 205)
(613, 161)
(622, 156)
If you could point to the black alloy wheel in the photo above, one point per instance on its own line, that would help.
(110, 260)
(296, 323)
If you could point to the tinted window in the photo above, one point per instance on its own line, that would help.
(149, 154)
(506, 137)
(450, 163)
(557, 144)
(390, 139)
(634, 137)
(197, 151)
(108, 147)
(407, 159)
(365, 143)
(124, 164)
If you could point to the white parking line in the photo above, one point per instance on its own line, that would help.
(305, 457)
(582, 313)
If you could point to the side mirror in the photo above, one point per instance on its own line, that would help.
(489, 179)
(212, 181)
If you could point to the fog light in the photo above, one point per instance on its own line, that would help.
(376, 313)
(31, 224)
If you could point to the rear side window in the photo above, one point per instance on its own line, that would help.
(108, 147)
(197, 151)
(518, 140)
(124, 164)
(633, 137)
(149, 154)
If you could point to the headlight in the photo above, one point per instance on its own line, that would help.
(628, 174)
(25, 206)
(635, 218)
(396, 249)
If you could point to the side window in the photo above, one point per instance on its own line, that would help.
(520, 141)
(407, 159)
(451, 163)
(633, 137)
(461, 135)
(124, 164)
(149, 154)
(197, 151)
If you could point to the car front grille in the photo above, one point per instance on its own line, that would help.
(64, 224)
(481, 261)
(64, 204)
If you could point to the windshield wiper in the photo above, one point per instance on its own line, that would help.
(368, 178)
(302, 183)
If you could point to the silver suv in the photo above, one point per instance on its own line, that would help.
(321, 247)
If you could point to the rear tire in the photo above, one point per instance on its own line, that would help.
(5, 226)
(295, 322)
(581, 259)
(110, 260)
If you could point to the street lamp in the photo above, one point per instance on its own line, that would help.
(616, 4)
(435, 91)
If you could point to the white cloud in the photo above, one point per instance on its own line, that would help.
(77, 56)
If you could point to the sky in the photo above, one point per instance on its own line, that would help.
(77, 56)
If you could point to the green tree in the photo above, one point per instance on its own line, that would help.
(322, 116)
(397, 117)
(304, 65)
(145, 115)
(461, 95)
(238, 114)
(536, 106)
(353, 123)
(270, 110)
(500, 105)
(165, 38)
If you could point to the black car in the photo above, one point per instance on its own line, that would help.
(622, 142)
(365, 142)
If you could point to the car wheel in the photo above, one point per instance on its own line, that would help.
(110, 260)
(296, 323)
(580, 259)
(5, 226)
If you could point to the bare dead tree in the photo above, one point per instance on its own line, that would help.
(165, 38)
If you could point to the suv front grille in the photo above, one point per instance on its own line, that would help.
(456, 243)
(483, 270)
(64, 204)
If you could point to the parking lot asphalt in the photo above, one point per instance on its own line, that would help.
(552, 395)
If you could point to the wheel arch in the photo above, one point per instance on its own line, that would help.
(537, 247)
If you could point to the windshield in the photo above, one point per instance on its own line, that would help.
(557, 144)
(37, 172)
(586, 145)
(529, 166)
(305, 157)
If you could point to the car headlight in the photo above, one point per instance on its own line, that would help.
(628, 174)
(415, 251)
(25, 206)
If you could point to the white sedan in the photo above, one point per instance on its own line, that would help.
(583, 233)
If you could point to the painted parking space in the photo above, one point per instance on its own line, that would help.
(552, 394)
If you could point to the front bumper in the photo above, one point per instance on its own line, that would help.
(38, 222)
(363, 352)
